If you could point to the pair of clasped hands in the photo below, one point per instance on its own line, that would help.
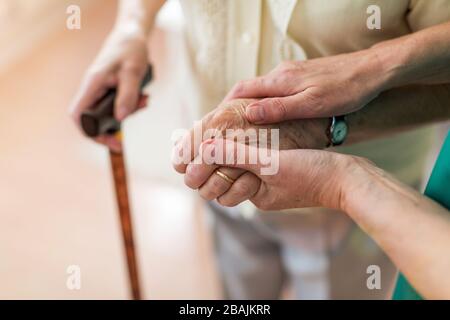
(296, 97)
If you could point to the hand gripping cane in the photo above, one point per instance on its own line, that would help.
(98, 121)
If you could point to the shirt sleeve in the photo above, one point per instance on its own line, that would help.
(426, 13)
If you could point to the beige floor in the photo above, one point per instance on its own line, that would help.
(56, 198)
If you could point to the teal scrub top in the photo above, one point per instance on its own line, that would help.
(438, 189)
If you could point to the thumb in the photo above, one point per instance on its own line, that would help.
(274, 110)
(263, 86)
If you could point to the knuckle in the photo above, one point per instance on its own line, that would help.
(285, 72)
(266, 81)
(279, 108)
(207, 194)
(188, 181)
(286, 66)
(216, 185)
(263, 202)
(238, 88)
(289, 77)
(190, 178)
(314, 101)
(133, 68)
(94, 76)
(226, 202)
(262, 81)
(229, 201)
(263, 205)
(288, 70)
(241, 189)
(128, 98)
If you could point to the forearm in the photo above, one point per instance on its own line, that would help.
(413, 230)
(419, 58)
(137, 15)
(413, 74)
(392, 112)
(400, 109)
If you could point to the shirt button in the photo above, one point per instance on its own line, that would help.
(246, 37)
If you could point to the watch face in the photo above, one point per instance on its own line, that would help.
(339, 132)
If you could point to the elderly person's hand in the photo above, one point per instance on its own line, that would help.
(314, 88)
(305, 178)
(297, 134)
(121, 64)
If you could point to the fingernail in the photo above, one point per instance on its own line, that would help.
(211, 146)
(208, 141)
(208, 145)
(255, 113)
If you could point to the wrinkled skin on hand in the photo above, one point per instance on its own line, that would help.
(306, 178)
(298, 134)
(121, 64)
(321, 87)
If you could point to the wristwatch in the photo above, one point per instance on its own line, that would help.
(337, 131)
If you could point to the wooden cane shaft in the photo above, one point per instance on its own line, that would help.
(120, 183)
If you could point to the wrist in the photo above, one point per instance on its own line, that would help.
(130, 30)
(340, 181)
(371, 69)
(357, 186)
(308, 133)
(137, 18)
(392, 58)
(368, 192)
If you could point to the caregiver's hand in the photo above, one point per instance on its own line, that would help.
(314, 88)
(305, 178)
(412, 229)
(121, 64)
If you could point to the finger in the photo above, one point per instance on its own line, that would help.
(274, 110)
(202, 168)
(93, 87)
(216, 185)
(183, 152)
(237, 155)
(187, 149)
(197, 173)
(128, 91)
(143, 101)
(264, 86)
(245, 187)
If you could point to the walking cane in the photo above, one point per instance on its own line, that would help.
(98, 121)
